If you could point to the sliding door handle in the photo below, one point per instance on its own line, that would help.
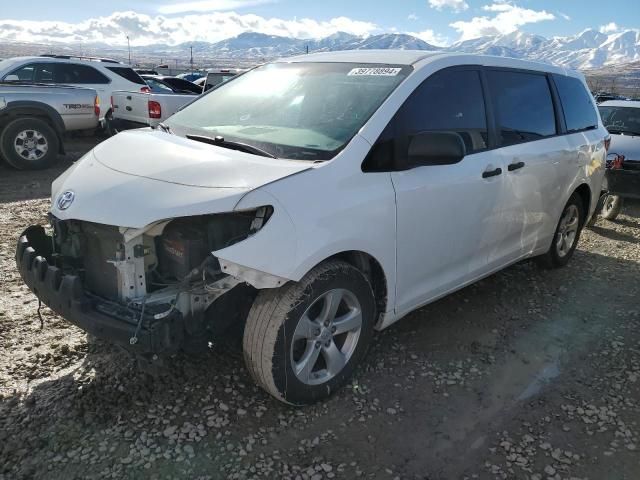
(515, 166)
(492, 173)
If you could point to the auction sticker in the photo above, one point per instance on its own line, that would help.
(375, 71)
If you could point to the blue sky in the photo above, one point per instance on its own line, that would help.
(437, 21)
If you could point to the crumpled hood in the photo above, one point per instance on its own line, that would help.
(141, 177)
(169, 158)
(627, 145)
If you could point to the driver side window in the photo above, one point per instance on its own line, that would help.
(450, 100)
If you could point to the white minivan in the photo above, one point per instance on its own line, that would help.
(316, 199)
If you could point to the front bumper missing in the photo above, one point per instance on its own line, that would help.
(65, 295)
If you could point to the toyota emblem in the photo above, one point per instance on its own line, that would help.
(65, 199)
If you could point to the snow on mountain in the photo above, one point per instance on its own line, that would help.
(587, 50)
(398, 41)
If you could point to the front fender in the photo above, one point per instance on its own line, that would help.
(271, 252)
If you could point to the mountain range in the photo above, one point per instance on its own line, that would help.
(587, 50)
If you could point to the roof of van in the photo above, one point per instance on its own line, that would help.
(396, 57)
(412, 57)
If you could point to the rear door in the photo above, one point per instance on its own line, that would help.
(538, 160)
(85, 76)
(447, 215)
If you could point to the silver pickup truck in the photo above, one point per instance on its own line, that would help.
(34, 118)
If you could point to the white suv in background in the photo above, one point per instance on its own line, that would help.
(101, 74)
(313, 200)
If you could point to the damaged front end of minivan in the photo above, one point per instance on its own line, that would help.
(151, 290)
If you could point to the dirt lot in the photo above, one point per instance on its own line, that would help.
(528, 374)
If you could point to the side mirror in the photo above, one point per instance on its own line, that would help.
(436, 148)
(12, 78)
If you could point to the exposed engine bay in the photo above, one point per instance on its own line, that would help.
(157, 272)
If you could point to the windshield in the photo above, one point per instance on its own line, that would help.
(6, 64)
(305, 111)
(621, 119)
(157, 87)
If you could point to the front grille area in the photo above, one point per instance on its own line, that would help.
(102, 242)
(84, 249)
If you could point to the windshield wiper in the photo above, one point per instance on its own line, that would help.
(164, 128)
(221, 142)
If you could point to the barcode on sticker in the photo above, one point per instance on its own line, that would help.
(375, 71)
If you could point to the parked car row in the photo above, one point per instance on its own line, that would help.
(142, 98)
(313, 200)
(34, 119)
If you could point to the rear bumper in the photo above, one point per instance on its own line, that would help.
(119, 124)
(625, 183)
(65, 295)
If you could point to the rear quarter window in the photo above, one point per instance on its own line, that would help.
(128, 74)
(577, 104)
(74, 73)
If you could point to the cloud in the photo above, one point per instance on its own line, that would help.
(431, 37)
(565, 16)
(507, 19)
(610, 27)
(453, 5)
(412, 16)
(146, 29)
(209, 6)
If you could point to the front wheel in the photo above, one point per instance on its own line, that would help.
(566, 236)
(303, 341)
(611, 207)
(29, 144)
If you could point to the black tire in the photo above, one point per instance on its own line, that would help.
(556, 257)
(268, 341)
(611, 207)
(109, 128)
(37, 128)
(594, 218)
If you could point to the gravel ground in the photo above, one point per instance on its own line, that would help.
(527, 374)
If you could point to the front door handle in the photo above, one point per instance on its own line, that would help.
(515, 166)
(492, 173)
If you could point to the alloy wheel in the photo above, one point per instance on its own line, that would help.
(31, 145)
(326, 337)
(567, 230)
(609, 203)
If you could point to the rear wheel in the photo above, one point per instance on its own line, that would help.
(567, 235)
(109, 127)
(611, 207)
(29, 144)
(304, 340)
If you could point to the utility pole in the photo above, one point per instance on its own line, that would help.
(307, 49)
(129, 48)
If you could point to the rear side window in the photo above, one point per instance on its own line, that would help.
(451, 100)
(577, 105)
(75, 73)
(523, 106)
(45, 73)
(128, 74)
